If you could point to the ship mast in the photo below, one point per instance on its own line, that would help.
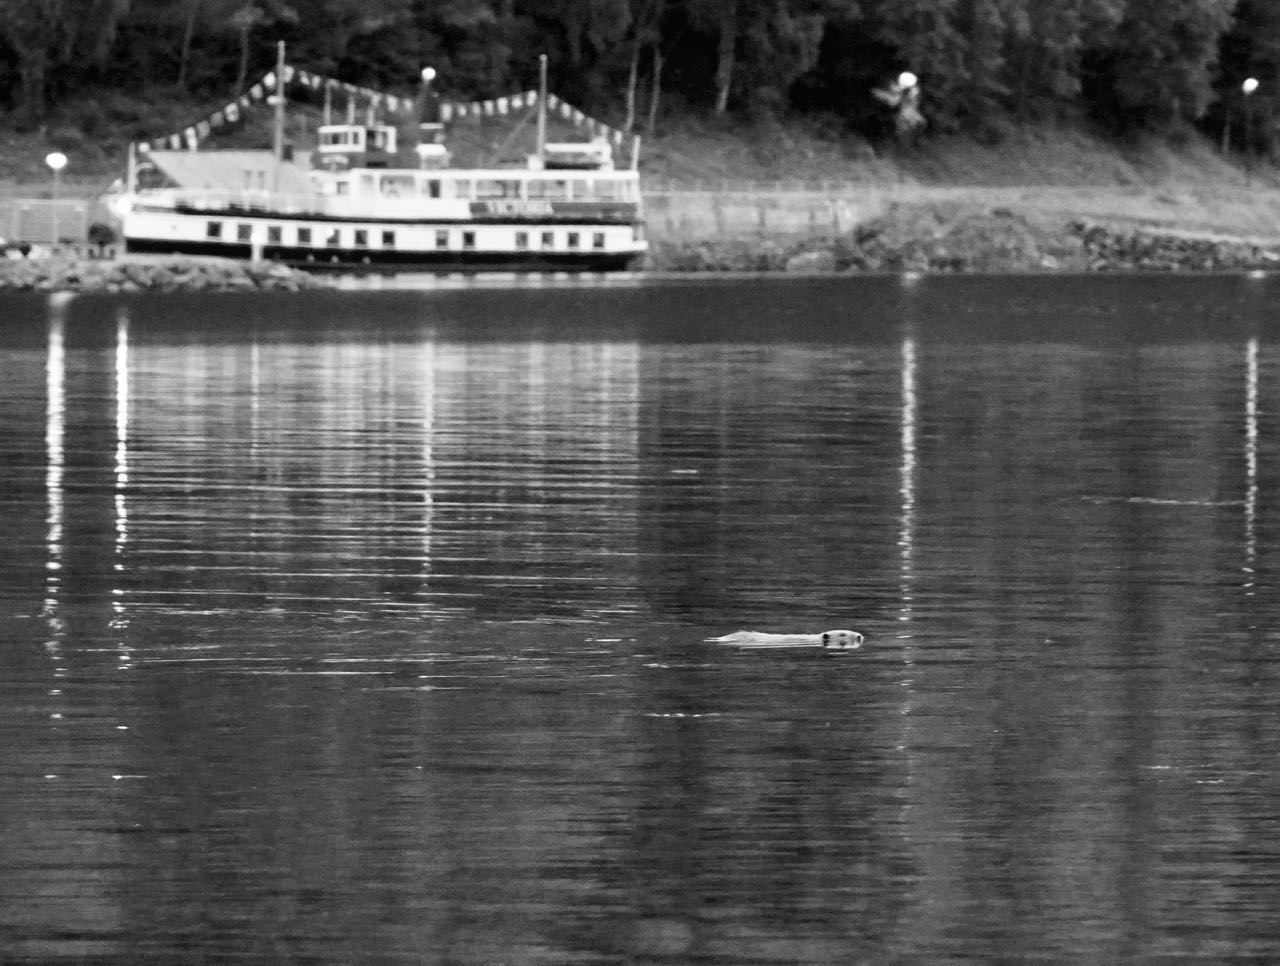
(542, 109)
(278, 145)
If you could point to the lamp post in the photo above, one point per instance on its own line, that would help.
(1249, 85)
(56, 161)
(430, 128)
(428, 75)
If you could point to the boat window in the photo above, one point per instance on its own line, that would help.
(431, 187)
(304, 236)
(550, 189)
(396, 185)
(610, 190)
(388, 239)
(548, 240)
(244, 233)
(442, 238)
(213, 229)
(494, 188)
(341, 138)
(571, 240)
(522, 239)
(362, 238)
(273, 234)
(332, 238)
(597, 241)
(342, 187)
(468, 239)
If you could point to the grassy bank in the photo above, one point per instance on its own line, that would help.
(775, 190)
(1046, 176)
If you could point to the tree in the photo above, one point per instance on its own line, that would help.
(190, 19)
(927, 42)
(1250, 48)
(1046, 41)
(51, 36)
(646, 34)
(1155, 72)
(248, 15)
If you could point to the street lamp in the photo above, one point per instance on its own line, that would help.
(56, 161)
(428, 75)
(1249, 85)
(429, 148)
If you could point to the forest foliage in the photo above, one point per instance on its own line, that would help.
(983, 65)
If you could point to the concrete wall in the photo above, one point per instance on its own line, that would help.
(688, 215)
(683, 216)
(38, 220)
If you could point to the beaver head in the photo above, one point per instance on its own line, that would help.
(841, 640)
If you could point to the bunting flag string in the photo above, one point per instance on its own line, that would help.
(191, 136)
(452, 110)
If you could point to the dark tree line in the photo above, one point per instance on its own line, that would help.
(982, 64)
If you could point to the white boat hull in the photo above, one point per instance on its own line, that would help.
(346, 243)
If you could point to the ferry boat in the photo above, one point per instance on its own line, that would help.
(360, 199)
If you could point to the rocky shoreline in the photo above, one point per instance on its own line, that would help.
(904, 239)
(957, 240)
(75, 273)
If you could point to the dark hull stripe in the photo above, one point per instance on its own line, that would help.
(504, 219)
(346, 259)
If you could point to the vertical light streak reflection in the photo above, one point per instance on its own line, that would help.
(907, 484)
(255, 425)
(55, 461)
(55, 516)
(1250, 463)
(121, 461)
(428, 382)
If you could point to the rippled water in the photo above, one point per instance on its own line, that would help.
(370, 627)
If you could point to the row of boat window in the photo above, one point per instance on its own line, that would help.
(482, 189)
(445, 238)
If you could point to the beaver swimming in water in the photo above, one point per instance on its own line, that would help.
(839, 640)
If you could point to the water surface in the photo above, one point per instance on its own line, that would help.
(370, 627)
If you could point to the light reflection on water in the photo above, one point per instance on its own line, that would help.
(372, 629)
